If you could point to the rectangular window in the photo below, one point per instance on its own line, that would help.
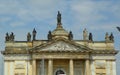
(100, 74)
(19, 74)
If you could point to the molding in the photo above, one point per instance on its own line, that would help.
(17, 57)
(60, 56)
(102, 57)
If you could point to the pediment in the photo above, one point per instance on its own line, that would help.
(61, 45)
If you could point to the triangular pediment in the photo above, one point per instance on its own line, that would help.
(62, 45)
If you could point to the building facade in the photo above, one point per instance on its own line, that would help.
(60, 54)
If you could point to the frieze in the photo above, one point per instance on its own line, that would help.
(61, 56)
(103, 56)
(17, 57)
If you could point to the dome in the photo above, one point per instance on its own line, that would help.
(60, 32)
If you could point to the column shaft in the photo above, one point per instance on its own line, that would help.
(50, 67)
(34, 67)
(6, 68)
(71, 68)
(87, 67)
(114, 67)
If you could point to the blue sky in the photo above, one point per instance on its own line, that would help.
(97, 16)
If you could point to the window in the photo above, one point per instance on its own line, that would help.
(60, 72)
(100, 74)
(19, 74)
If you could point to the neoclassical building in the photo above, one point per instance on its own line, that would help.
(60, 54)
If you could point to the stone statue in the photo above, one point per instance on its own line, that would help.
(34, 34)
(59, 18)
(90, 37)
(12, 36)
(49, 36)
(107, 36)
(85, 34)
(7, 37)
(70, 36)
(28, 36)
(111, 37)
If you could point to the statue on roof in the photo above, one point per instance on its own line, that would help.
(111, 37)
(49, 36)
(85, 34)
(7, 37)
(28, 36)
(12, 36)
(70, 36)
(34, 34)
(90, 37)
(106, 36)
(59, 18)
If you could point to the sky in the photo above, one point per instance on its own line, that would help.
(22, 16)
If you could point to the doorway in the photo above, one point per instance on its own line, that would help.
(60, 72)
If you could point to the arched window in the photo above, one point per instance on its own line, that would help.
(59, 72)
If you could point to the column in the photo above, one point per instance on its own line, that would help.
(50, 67)
(33, 67)
(108, 68)
(92, 67)
(5, 67)
(43, 67)
(114, 67)
(71, 67)
(11, 67)
(87, 67)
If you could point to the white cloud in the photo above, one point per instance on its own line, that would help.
(88, 11)
(27, 11)
(5, 19)
(17, 23)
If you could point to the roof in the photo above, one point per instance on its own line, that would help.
(59, 32)
(61, 45)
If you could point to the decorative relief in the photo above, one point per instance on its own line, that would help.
(61, 46)
(100, 64)
(19, 66)
(17, 57)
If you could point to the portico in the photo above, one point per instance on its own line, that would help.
(68, 66)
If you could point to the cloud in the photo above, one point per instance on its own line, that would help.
(83, 12)
(28, 11)
(5, 19)
(94, 11)
(17, 23)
